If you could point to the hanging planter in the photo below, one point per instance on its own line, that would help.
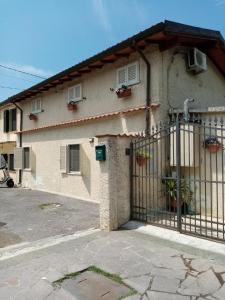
(142, 157)
(212, 144)
(72, 106)
(33, 117)
(122, 92)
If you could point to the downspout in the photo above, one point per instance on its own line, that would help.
(20, 135)
(148, 88)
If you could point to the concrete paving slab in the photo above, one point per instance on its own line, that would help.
(92, 286)
(164, 284)
(140, 283)
(165, 296)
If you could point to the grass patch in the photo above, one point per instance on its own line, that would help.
(94, 269)
(49, 205)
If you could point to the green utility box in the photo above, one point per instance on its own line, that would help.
(100, 152)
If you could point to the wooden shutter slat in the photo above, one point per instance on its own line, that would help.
(63, 159)
(18, 158)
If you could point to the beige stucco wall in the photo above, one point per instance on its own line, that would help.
(207, 88)
(45, 158)
(114, 180)
(96, 89)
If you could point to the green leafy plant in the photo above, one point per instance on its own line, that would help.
(143, 154)
(185, 191)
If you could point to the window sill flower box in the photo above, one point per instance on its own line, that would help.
(72, 106)
(123, 92)
(212, 144)
(33, 117)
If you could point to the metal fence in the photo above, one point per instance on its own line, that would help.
(177, 176)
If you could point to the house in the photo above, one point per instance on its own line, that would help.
(65, 123)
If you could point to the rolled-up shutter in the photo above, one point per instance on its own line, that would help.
(18, 158)
(63, 159)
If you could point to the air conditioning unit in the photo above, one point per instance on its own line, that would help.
(196, 61)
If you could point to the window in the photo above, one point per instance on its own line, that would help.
(128, 75)
(11, 162)
(74, 158)
(10, 120)
(36, 106)
(70, 158)
(26, 158)
(75, 93)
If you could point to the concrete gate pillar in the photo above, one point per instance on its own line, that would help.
(114, 192)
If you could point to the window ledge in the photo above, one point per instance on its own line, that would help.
(78, 173)
(36, 112)
(27, 170)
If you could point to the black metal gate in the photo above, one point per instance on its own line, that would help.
(177, 176)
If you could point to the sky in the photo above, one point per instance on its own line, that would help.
(44, 37)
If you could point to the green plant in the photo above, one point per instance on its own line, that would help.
(142, 154)
(185, 191)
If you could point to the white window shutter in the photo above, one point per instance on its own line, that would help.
(71, 95)
(74, 93)
(33, 106)
(18, 158)
(63, 159)
(77, 92)
(132, 73)
(38, 105)
(121, 77)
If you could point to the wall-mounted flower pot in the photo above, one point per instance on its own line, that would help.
(213, 148)
(141, 160)
(72, 106)
(123, 93)
(33, 117)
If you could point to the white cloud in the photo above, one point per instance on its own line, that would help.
(103, 18)
(29, 69)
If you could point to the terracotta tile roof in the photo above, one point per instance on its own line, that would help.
(87, 119)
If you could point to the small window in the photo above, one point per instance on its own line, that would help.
(75, 93)
(26, 158)
(128, 74)
(36, 106)
(74, 158)
(11, 162)
(10, 120)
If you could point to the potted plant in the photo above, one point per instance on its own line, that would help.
(72, 106)
(185, 194)
(141, 157)
(122, 92)
(212, 144)
(33, 117)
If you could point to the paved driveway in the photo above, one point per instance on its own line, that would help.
(27, 215)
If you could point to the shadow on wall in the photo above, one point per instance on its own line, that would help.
(85, 168)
